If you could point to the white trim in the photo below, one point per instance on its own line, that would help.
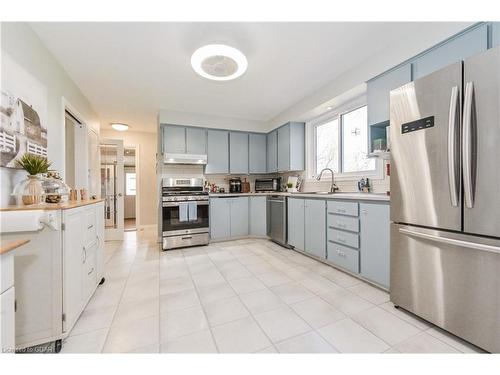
(311, 124)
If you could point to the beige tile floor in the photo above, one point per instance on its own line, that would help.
(245, 296)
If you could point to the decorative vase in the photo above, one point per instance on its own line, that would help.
(30, 190)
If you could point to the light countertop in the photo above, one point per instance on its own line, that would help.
(7, 246)
(342, 195)
(52, 206)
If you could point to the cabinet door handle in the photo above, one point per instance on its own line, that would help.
(90, 226)
(84, 255)
(187, 237)
(341, 210)
(92, 270)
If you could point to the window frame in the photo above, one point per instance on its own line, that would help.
(311, 146)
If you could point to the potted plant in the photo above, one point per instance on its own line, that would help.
(31, 190)
(289, 185)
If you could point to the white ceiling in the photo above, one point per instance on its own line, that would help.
(129, 71)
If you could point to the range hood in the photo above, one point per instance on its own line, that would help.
(169, 158)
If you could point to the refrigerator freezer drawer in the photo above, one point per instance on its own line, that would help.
(449, 279)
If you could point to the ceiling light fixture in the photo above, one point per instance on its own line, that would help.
(219, 62)
(120, 127)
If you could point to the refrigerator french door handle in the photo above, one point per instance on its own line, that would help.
(450, 241)
(467, 145)
(453, 165)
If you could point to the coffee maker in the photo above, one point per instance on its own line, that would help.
(235, 185)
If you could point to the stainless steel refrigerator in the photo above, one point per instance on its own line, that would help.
(445, 198)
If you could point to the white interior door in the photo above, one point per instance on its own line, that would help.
(112, 187)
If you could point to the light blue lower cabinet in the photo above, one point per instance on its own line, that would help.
(296, 223)
(239, 216)
(257, 216)
(343, 256)
(315, 227)
(220, 218)
(375, 249)
(344, 238)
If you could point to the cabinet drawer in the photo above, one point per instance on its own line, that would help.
(91, 227)
(343, 208)
(343, 222)
(343, 238)
(343, 256)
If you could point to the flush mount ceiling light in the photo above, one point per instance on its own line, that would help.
(120, 127)
(219, 62)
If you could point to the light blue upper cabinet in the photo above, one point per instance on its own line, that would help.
(465, 45)
(257, 154)
(284, 148)
(217, 152)
(272, 151)
(378, 89)
(296, 223)
(196, 141)
(238, 153)
(257, 216)
(315, 227)
(375, 249)
(495, 34)
(220, 218)
(291, 147)
(174, 139)
(239, 216)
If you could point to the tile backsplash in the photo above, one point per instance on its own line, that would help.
(222, 180)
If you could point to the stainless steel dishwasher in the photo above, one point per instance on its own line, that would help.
(276, 218)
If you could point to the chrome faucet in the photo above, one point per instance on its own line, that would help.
(333, 187)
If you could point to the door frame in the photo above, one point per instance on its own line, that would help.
(118, 232)
(136, 147)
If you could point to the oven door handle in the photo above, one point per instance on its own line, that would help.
(176, 204)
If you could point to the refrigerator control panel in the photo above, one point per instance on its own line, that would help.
(420, 124)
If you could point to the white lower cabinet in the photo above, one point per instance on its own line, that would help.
(82, 259)
(7, 321)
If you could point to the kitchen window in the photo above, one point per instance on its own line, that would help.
(340, 142)
(130, 183)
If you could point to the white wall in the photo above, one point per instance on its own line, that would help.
(209, 121)
(145, 147)
(315, 104)
(23, 46)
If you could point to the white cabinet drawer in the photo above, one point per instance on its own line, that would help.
(91, 225)
(343, 256)
(343, 222)
(343, 208)
(343, 238)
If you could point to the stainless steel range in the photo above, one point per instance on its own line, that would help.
(185, 211)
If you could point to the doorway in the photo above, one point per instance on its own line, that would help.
(112, 187)
(130, 188)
